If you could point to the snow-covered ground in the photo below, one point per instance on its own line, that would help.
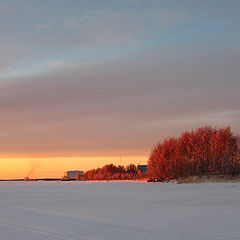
(119, 210)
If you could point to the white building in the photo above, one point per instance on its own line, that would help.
(73, 174)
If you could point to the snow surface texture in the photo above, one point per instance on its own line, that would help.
(119, 210)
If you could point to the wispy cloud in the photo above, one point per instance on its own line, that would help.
(109, 106)
(112, 77)
(60, 65)
(104, 27)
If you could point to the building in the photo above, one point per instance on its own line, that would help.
(142, 168)
(73, 174)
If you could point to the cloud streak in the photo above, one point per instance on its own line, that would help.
(111, 78)
(121, 106)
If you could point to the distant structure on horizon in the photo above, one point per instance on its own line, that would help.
(142, 168)
(68, 175)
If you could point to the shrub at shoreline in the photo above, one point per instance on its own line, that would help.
(205, 151)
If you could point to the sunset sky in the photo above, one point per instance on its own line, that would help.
(86, 83)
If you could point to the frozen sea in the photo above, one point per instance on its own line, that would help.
(119, 210)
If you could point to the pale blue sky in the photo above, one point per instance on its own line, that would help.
(35, 34)
(112, 76)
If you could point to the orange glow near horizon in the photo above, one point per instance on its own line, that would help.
(14, 168)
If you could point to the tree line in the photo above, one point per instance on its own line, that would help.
(113, 172)
(204, 151)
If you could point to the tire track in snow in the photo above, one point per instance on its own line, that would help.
(38, 230)
(86, 218)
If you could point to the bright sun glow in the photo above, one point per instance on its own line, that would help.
(55, 167)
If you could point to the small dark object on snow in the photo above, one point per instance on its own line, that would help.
(157, 180)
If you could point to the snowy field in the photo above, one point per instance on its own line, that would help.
(119, 210)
